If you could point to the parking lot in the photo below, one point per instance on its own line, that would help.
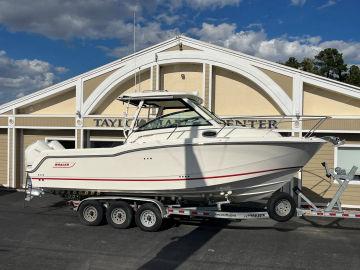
(46, 234)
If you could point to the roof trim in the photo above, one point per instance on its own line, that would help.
(71, 82)
(285, 70)
(244, 68)
(307, 77)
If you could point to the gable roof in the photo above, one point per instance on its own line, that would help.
(307, 77)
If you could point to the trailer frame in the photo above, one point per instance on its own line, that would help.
(162, 211)
(333, 209)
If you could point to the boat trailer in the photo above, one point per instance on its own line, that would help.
(149, 213)
(333, 208)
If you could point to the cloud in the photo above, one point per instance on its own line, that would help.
(145, 36)
(214, 33)
(205, 4)
(93, 19)
(21, 77)
(254, 26)
(169, 20)
(280, 48)
(298, 2)
(329, 3)
(67, 19)
(102, 19)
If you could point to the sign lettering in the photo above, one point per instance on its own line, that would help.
(251, 123)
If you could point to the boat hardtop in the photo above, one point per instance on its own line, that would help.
(135, 97)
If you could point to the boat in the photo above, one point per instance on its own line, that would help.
(181, 151)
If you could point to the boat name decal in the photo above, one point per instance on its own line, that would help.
(64, 164)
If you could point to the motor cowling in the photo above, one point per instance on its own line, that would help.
(34, 150)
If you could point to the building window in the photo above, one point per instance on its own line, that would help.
(347, 156)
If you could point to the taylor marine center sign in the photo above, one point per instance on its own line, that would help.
(122, 122)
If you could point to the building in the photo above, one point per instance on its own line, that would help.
(248, 91)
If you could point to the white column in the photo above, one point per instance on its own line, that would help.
(79, 114)
(204, 83)
(158, 77)
(297, 102)
(79, 95)
(151, 78)
(13, 145)
(9, 157)
(211, 97)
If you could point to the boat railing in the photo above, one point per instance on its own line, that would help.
(286, 123)
(272, 122)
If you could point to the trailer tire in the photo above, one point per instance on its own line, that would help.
(148, 217)
(281, 207)
(91, 213)
(120, 215)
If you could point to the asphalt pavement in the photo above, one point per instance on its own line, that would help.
(46, 234)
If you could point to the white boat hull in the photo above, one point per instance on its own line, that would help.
(191, 169)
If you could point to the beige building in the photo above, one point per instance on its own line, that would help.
(82, 111)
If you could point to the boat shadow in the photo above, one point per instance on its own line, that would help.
(192, 165)
(235, 225)
(181, 248)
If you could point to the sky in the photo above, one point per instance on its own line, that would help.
(43, 42)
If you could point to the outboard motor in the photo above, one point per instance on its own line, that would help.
(32, 152)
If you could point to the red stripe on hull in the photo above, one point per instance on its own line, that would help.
(157, 180)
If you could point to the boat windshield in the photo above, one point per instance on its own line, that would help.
(183, 118)
(173, 113)
(216, 118)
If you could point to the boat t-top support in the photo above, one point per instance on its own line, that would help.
(136, 116)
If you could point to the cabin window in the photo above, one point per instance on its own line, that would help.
(347, 156)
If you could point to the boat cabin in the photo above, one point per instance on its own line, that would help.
(165, 115)
(174, 115)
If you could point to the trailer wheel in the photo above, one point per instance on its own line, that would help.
(281, 206)
(91, 213)
(120, 215)
(148, 218)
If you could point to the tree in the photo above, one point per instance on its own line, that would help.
(292, 62)
(353, 76)
(308, 65)
(330, 64)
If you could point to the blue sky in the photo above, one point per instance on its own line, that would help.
(44, 42)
